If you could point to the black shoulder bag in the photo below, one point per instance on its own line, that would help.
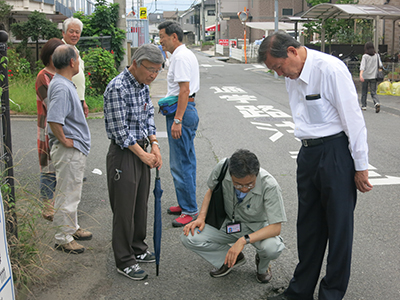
(379, 75)
(216, 209)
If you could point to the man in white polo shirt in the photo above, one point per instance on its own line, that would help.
(183, 81)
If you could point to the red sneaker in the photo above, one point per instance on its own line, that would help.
(174, 210)
(183, 219)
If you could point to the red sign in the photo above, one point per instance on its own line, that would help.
(224, 42)
(212, 28)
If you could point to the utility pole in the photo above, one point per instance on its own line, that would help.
(122, 25)
(276, 26)
(276, 16)
(202, 22)
(216, 25)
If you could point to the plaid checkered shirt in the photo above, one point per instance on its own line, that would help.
(128, 110)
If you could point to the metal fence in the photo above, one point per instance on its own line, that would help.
(391, 69)
(87, 42)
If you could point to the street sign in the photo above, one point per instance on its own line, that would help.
(6, 280)
(223, 42)
(143, 13)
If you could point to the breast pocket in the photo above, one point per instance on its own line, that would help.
(316, 108)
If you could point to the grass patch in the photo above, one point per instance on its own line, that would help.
(22, 94)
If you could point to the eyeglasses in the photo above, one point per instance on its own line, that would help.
(245, 186)
(151, 70)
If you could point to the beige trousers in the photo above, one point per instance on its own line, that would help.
(70, 167)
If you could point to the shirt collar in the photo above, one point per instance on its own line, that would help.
(132, 79)
(71, 45)
(306, 72)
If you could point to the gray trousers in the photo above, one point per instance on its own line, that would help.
(364, 91)
(213, 245)
(129, 193)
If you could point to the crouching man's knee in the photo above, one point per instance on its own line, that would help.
(270, 248)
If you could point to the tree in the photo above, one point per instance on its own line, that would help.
(104, 21)
(340, 30)
(37, 27)
(5, 12)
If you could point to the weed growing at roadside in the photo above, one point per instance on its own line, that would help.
(26, 248)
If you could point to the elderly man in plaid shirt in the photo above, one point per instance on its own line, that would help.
(129, 120)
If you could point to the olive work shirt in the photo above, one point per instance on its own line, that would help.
(263, 204)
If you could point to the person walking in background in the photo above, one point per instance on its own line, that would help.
(71, 31)
(48, 181)
(164, 55)
(184, 82)
(331, 165)
(70, 144)
(129, 120)
(368, 70)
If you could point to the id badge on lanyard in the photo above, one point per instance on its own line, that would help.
(233, 227)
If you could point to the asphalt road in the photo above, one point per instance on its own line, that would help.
(240, 106)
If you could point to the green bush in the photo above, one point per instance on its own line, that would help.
(100, 69)
(17, 66)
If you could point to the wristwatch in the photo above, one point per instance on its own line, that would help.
(247, 238)
(177, 121)
(156, 144)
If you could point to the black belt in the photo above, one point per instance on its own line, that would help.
(142, 143)
(315, 142)
(192, 95)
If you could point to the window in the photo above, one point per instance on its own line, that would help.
(211, 13)
(287, 11)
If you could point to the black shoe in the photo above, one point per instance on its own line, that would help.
(224, 270)
(265, 277)
(134, 272)
(377, 107)
(147, 257)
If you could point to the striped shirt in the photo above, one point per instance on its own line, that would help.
(128, 110)
(42, 83)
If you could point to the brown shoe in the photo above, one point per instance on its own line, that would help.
(377, 107)
(224, 270)
(72, 247)
(82, 235)
(265, 277)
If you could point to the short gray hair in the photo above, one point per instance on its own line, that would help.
(62, 56)
(69, 21)
(148, 52)
(276, 45)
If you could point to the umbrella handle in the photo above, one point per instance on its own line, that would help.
(157, 173)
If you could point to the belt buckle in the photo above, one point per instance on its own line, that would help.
(305, 144)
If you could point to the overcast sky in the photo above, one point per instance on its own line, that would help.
(162, 5)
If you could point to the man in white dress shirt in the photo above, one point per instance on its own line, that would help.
(331, 165)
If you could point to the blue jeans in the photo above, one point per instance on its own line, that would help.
(182, 159)
(47, 185)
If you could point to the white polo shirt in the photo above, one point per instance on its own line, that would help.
(183, 67)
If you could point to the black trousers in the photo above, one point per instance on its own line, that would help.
(128, 180)
(327, 199)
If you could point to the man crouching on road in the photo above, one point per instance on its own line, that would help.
(254, 213)
(70, 144)
(129, 119)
